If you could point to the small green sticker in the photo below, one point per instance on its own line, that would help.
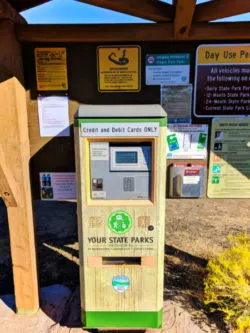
(173, 143)
(215, 180)
(120, 222)
(202, 141)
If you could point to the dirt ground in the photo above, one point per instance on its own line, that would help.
(195, 230)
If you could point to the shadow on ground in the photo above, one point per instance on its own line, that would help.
(58, 263)
(183, 282)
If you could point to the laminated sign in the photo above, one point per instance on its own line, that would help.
(229, 167)
(51, 68)
(167, 69)
(119, 68)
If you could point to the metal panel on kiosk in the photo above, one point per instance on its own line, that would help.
(187, 180)
(121, 170)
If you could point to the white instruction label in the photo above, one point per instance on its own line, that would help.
(98, 194)
(119, 129)
(99, 151)
(191, 180)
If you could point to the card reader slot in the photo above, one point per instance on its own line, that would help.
(121, 261)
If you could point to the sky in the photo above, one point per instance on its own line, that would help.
(71, 11)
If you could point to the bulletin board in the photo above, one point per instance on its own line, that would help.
(56, 154)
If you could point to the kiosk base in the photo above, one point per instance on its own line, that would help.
(120, 319)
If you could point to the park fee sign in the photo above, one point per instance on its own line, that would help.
(222, 80)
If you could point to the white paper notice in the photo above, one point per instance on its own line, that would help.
(58, 185)
(53, 112)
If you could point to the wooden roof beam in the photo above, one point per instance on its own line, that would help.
(152, 10)
(21, 5)
(7, 12)
(218, 9)
(184, 11)
(148, 32)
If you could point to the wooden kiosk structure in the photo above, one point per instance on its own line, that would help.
(21, 147)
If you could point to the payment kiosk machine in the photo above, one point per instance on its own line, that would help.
(121, 169)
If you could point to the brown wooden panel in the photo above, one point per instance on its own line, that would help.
(7, 12)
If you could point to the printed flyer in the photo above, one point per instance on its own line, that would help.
(53, 113)
(58, 185)
(177, 102)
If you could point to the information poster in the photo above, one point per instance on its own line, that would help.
(187, 141)
(167, 69)
(229, 167)
(53, 112)
(51, 68)
(58, 185)
(119, 68)
(222, 80)
(177, 102)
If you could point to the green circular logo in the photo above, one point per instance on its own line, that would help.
(120, 222)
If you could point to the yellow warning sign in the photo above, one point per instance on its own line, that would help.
(51, 68)
(119, 68)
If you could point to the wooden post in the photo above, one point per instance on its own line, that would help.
(14, 170)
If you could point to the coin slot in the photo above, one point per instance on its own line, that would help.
(121, 261)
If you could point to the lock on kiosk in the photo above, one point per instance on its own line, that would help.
(121, 170)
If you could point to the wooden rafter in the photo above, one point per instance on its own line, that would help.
(21, 5)
(7, 12)
(148, 9)
(214, 10)
(161, 32)
(184, 11)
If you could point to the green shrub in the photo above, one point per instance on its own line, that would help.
(227, 285)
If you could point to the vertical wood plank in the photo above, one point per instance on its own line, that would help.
(15, 155)
(184, 11)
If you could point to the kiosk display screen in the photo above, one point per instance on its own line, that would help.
(129, 157)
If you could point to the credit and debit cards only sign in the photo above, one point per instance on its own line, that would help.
(119, 129)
